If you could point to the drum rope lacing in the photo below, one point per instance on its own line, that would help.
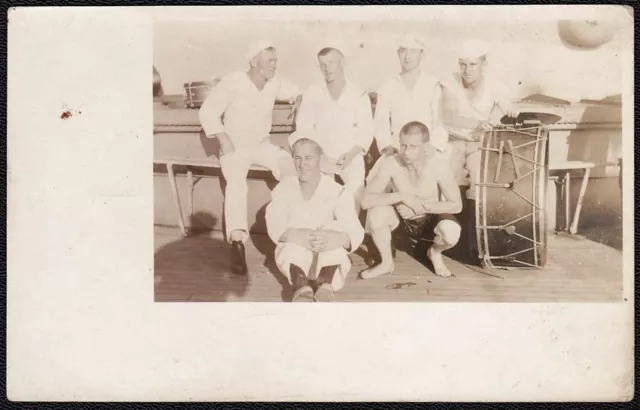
(508, 227)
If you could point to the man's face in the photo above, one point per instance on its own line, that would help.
(412, 149)
(409, 58)
(471, 69)
(332, 66)
(306, 158)
(266, 62)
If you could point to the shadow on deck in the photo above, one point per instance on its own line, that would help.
(195, 269)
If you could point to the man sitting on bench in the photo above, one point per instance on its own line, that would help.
(418, 179)
(312, 220)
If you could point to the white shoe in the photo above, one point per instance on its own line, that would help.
(304, 294)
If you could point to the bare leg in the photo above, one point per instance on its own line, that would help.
(447, 235)
(381, 221)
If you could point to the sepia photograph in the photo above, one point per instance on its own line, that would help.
(388, 160)
(464, 162)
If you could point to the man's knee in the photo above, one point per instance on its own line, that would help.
(378, 218)
(235, 177)
(292, 253)
(448, 231)
(333, 257)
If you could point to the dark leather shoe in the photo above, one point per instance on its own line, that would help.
(238, 259)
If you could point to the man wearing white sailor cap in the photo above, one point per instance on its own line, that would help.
(411, 95)
(238, 112)
(337, 114)
(471, 104)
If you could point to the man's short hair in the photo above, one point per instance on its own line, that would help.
(416, 127)
(327, 50)
(305, 141)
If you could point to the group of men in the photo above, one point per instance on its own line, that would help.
(427, 131)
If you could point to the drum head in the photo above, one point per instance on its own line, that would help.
(540, 117)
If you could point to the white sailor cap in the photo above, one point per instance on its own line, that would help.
(296, 136)
(293, 138)
(332, 42)
(409, 41)
(256, 47)
(473, 49)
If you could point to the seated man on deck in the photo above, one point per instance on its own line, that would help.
(312, 220)
(337, 114)
(238, 112)
(418, 179)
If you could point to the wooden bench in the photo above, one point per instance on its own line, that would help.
(169, 163)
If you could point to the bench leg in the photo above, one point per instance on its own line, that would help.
(583, 189)
(567, 196)
(176, 198)
(191, 184)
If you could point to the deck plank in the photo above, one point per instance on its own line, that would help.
(195, 269)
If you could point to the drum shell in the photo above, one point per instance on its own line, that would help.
(520, 207)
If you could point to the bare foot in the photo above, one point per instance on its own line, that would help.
(381, 269)
(438, 264)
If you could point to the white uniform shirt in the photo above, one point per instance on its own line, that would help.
(330, 202)
(397, 105)
(482, 107)
(237, 107)
(337, 125)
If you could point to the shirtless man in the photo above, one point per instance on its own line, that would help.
(419, 180)
(472, 104)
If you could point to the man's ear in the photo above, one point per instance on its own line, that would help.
(253, 62)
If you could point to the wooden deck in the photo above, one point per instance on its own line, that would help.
(195, 269)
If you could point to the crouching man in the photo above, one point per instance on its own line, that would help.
(312, 220)
(417, 178)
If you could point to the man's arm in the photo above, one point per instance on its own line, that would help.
(382, 120)
(305, 120)
(347, 220)
(276, 217)
(448, 186)
(276, 213)
(504, 102)
(214, 106)
(374, 194)
(364, 118)
(287, 91)
(439, 135)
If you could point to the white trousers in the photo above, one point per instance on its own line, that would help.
(235, 167)
(464, 160)
(291, 253)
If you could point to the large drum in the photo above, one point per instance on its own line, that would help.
(197, 91)
(511, 197)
